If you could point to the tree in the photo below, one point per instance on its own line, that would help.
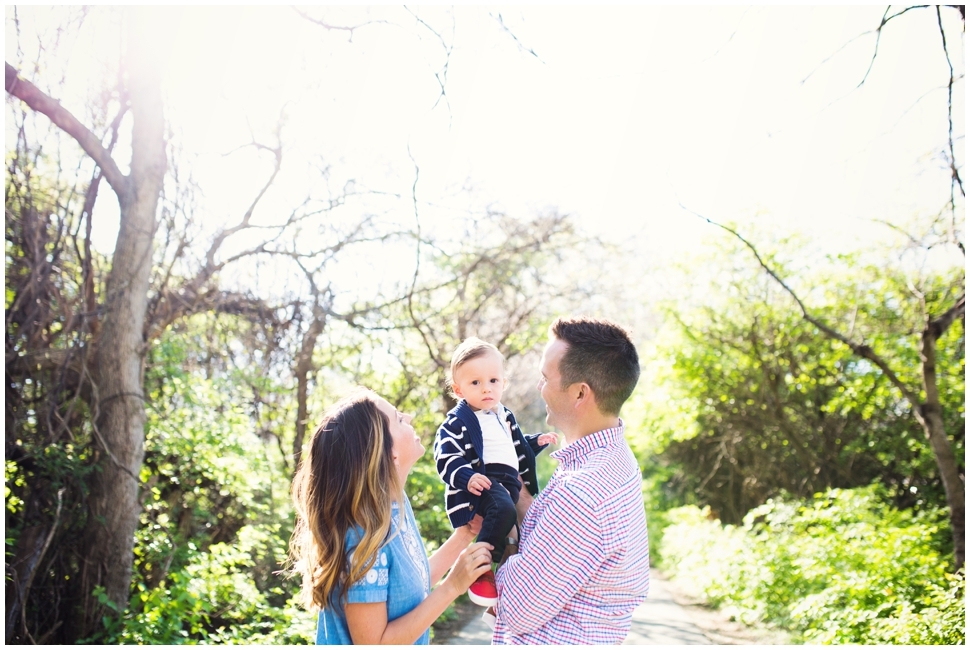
(759, 402)
(499, 279)
(76, 350)
(117, 385)
(934, 318)
(935, 315)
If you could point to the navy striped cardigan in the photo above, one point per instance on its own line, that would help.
(458, 455)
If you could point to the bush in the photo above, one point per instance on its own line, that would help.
(213, 599)
(843, 568)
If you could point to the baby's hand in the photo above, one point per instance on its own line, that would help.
(548, 439)
(477, 483)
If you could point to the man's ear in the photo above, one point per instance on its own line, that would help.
(582, 394)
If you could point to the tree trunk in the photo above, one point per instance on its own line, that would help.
(930, 416)
(119, 403)
(304, 366)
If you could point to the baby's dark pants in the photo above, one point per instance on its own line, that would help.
(497, 506)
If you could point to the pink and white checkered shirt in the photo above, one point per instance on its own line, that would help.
(583, 564)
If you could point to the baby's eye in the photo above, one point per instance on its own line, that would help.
(475, 383)
(494, 381)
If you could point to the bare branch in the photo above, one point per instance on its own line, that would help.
(834, 54)
(860, 349)
(912, 240)
(33, 568)
(343, 28)
(885, 20)
(949, 115)
(522, 47)
(432, 352)
(244, 222)
(442, 76)
(42, 103)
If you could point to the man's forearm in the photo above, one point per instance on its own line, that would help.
(522, 506)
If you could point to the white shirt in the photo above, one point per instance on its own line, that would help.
(497, 444)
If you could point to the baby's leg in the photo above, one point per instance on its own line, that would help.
(498, 517)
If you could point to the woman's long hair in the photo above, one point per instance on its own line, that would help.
(346, 480)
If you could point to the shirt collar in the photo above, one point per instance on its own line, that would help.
(498, 408)
(575, 453)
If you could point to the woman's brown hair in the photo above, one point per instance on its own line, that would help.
(346, 480)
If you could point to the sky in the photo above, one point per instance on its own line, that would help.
(618, 115)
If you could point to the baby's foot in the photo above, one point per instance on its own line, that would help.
(483, 591)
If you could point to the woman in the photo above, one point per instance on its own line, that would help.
(356, 542)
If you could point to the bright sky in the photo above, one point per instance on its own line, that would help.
(623, 112)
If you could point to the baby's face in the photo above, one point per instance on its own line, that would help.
(481, 381)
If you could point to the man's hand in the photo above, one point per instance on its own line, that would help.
(477, 483)
(510, 550)
(548, 439)
(522, 505)
(475, 525)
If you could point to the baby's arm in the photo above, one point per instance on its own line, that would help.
(477, 483)
(450, 462)
(548, 438)
(539, 441)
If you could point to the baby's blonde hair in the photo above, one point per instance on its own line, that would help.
(471, 348)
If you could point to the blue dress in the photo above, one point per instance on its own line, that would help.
(401, 578)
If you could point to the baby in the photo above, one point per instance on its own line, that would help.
(482, 456)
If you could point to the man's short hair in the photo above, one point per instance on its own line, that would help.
(600, 354)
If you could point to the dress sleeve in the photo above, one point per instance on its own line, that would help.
(373, 587)
(536, 583)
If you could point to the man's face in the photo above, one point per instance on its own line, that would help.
(558, 404)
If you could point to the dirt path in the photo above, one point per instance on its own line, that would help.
(668, 617)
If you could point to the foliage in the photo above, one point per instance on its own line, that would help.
(213, 530)
(212, 599)
(743, 399)
(51, 281)
(844, 567)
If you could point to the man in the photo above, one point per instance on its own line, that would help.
(583, 564)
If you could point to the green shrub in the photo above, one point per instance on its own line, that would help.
(843, 568)
(212, 599)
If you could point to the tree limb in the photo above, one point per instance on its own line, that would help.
(343, 28)
(522, 47)
(860, 349)
(42, 103)
(940, 324)
(955, 173)
(885, 20)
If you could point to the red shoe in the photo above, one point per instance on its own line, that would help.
(483, 592)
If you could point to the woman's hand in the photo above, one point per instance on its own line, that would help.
(472, 562)
(447, 554)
